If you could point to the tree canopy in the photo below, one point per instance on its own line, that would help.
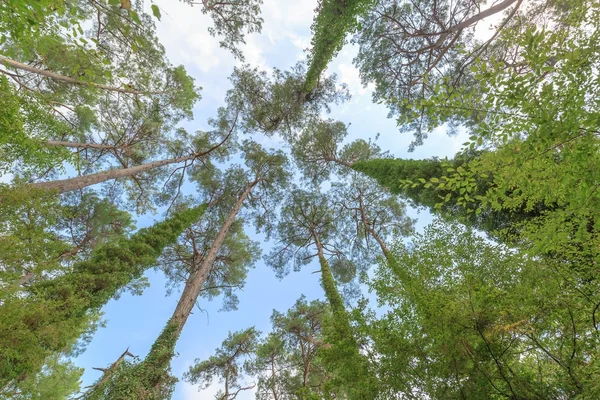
(110, 180)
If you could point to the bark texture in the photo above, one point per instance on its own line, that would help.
(67, 79)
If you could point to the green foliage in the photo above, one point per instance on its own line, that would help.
(232, 20)
(318, 150)
(287, 362)
(212, 258)
(423, 56)
(390, 173)
(447, 188)
(42, 236)
(155, 11)
(296, 240)
(278, 104)
(111, 96)
(53, 313)
(469, 318)
(235, 257)
(308, 223)
(24, 125)
(540, 175)
(334, 20)
(464, 317)
(300, 332)
(317, 147)
(59, 379)
(29, 243)
(373, 216)
(226, 364)
(348, 368)
(149, 379)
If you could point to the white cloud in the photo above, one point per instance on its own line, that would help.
(253, 52)
(289, 20)
(183, 32)
(290, 15)
(350, 76)
(301, 42)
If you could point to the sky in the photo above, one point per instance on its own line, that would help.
(134, 322)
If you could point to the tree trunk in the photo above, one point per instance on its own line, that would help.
(25, 279)
(482, 15)
(387, 254)
(331, 292)
(60, 143)
(338, 161)
(18, 65)
(194, 284)
(80, 182)
(345, 359)
(273, 388)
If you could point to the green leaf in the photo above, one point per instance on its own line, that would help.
(156, 11)
(135, 17)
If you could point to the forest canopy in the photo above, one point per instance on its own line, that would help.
(448, 251)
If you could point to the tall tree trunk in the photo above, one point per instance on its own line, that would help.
(80, 182)
(363, 216)
(333, 295)
(344, 357)
(48, 74)
(193, 286)
(67, 299)
(482, 15)
(154, 375)
(273, 374)
(60, 143)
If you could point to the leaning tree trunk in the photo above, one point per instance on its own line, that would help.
(363, 216)
(67, 185)
(151, 378)
(66, 79)
(349, 367)
(75, 145)
(333, 295)
(80, 182)
(68, 299)
(193, 286)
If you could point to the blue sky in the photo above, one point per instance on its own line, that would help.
(135, 321)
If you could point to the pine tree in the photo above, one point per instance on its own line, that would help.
(307, 230)
(227, 364)
(259, 186)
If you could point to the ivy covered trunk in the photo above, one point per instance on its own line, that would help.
(418, 181)
(56, 312)
(151, 378)
(193, 286)
(348, 367)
